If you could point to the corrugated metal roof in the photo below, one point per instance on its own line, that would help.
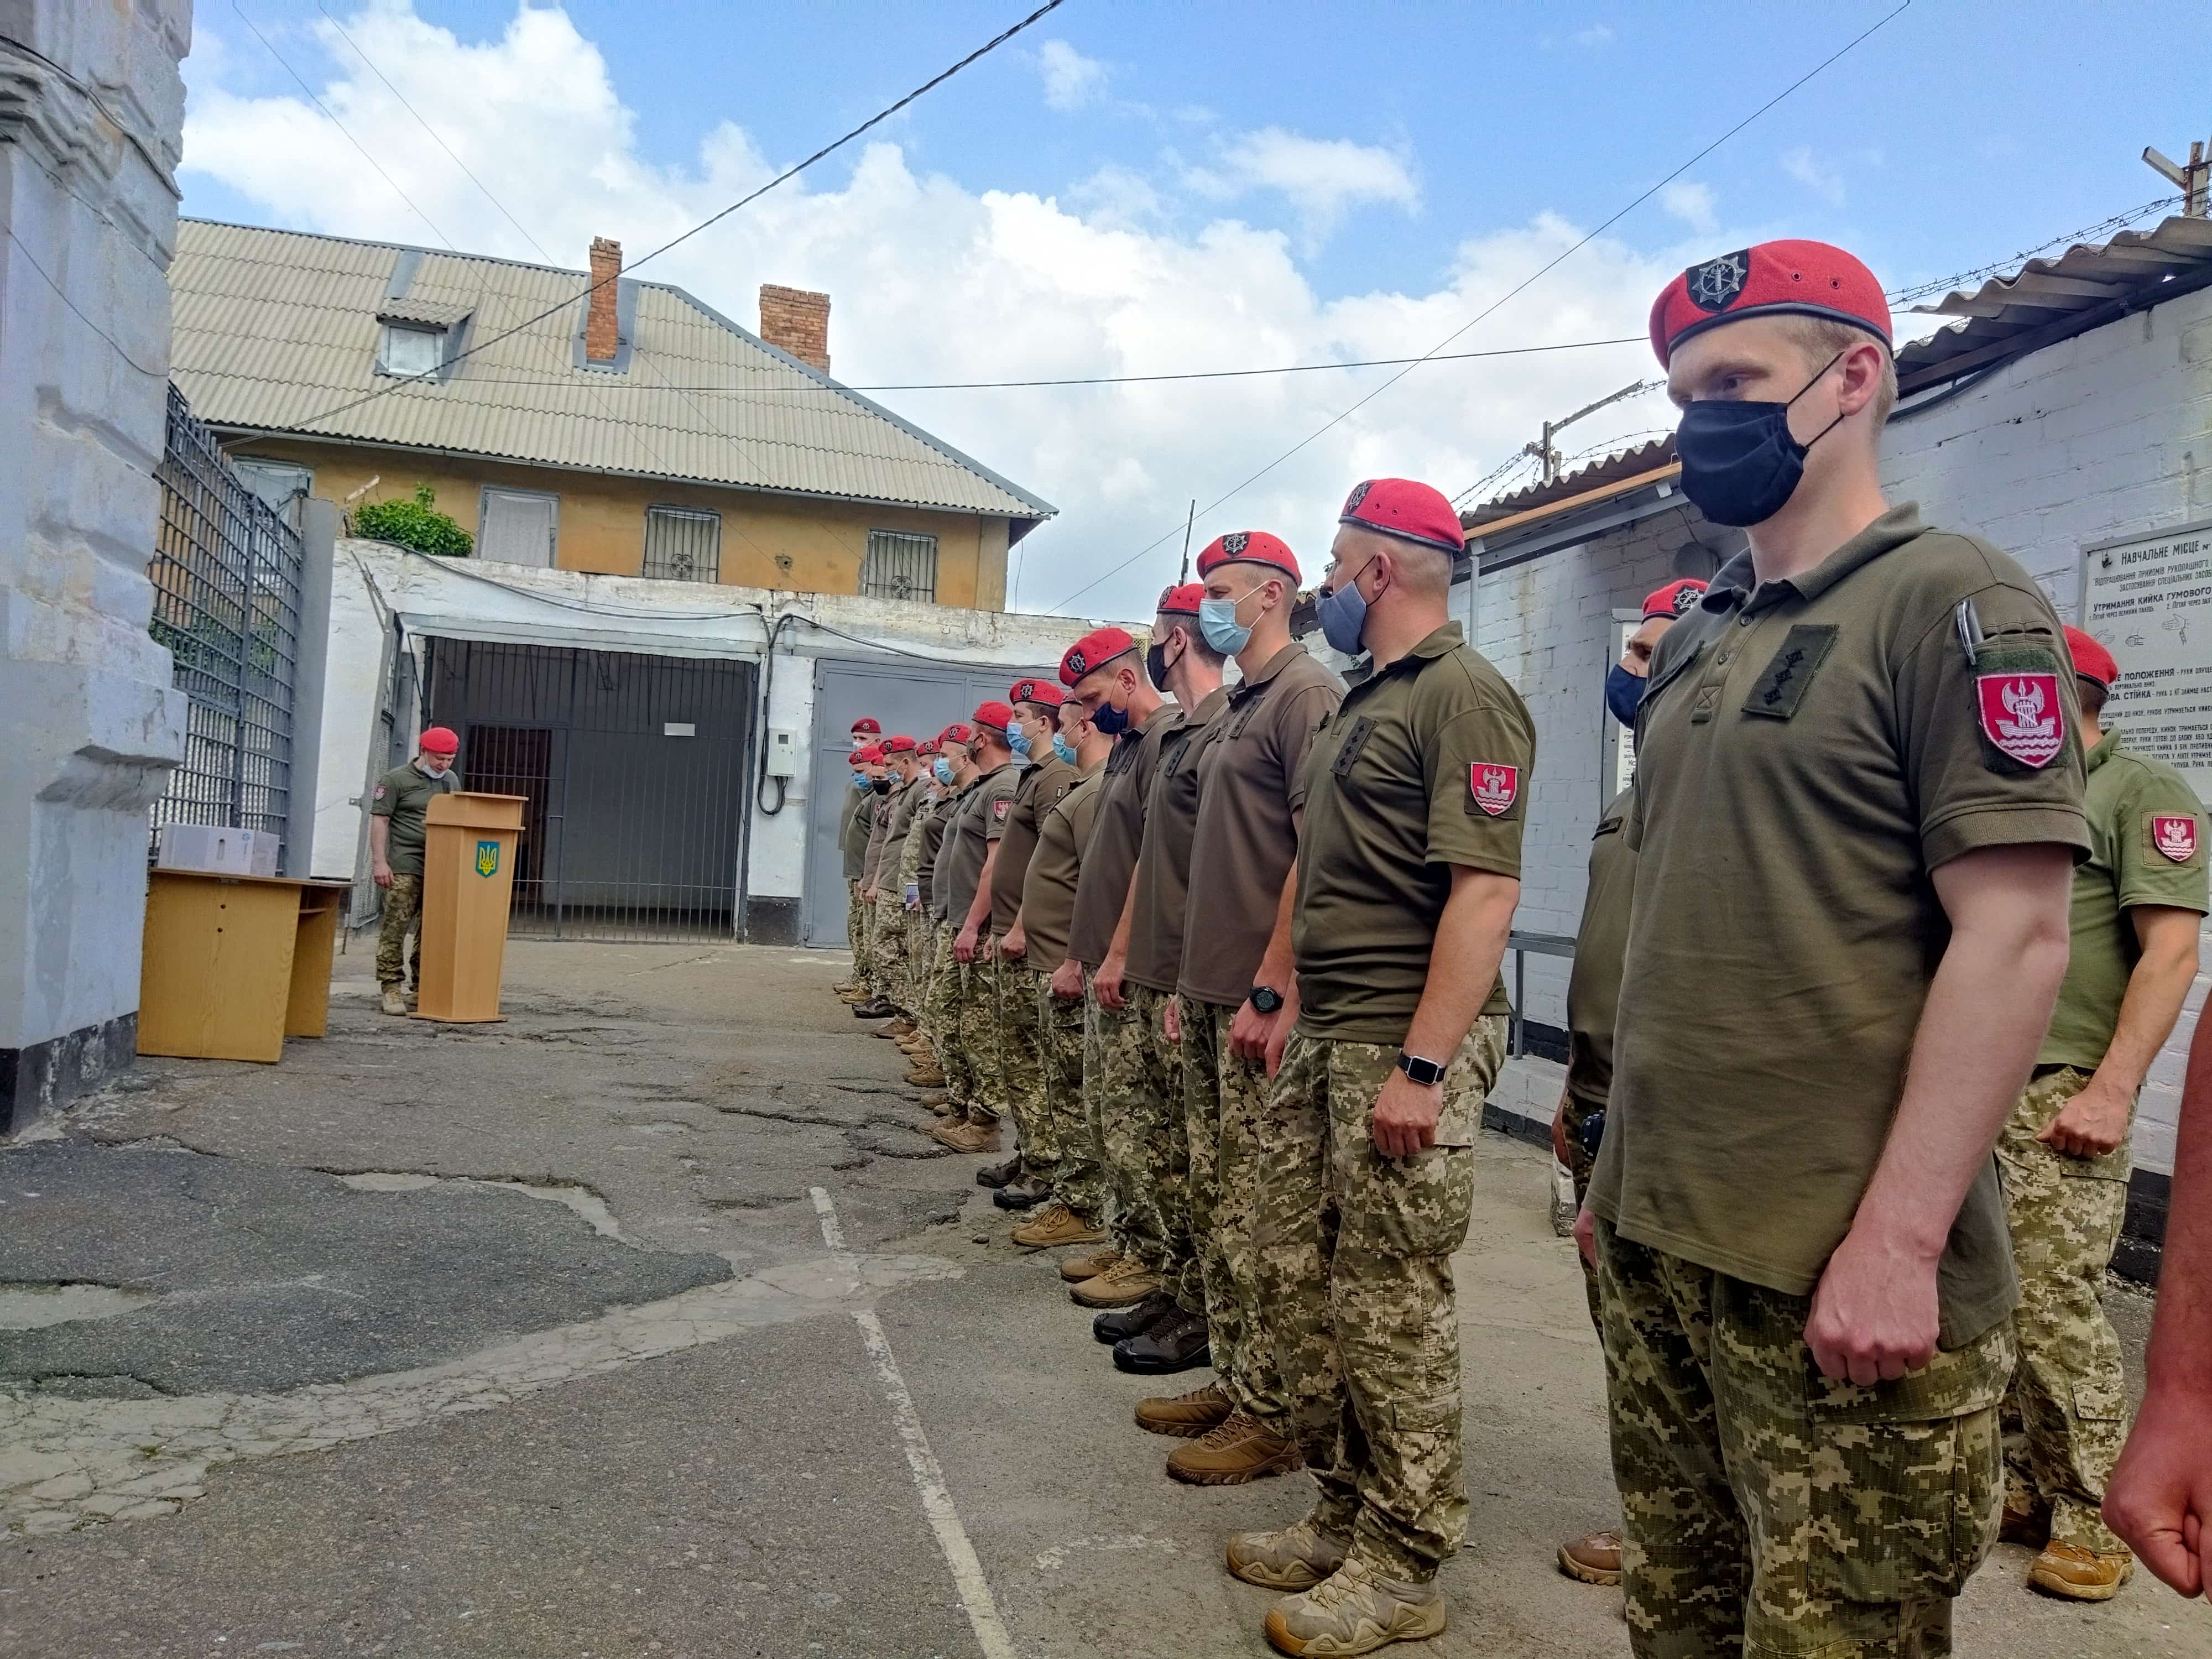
(2047, 301)
(276, 328)
(1622, 464)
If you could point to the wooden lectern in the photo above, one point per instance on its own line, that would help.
(468, 875)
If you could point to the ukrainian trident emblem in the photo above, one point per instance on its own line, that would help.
(488, 858)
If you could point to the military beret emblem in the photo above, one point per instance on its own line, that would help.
(1359, 495)
(1235, 542)
(1714, 285)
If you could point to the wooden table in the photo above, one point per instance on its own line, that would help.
(231, 965)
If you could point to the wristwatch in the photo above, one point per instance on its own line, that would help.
(1426, 1073)
(1266, 999)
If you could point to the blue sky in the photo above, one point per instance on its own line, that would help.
(1154, 186)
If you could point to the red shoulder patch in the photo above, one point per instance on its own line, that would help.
(2022, 715)
(2174, 836)
(379, 795)
(1495, 788)
(1000, 807)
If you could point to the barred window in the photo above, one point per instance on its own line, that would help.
(682, 545)
(899, 566)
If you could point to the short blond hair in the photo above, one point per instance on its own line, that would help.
(1823, 340)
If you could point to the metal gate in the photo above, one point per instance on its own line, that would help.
(634, 769)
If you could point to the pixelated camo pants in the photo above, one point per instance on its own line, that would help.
(1224, 1102)
(403, 912)
(1066, 1152)
(1128, 1088)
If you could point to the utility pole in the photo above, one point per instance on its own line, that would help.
(1187, 523)
(2194, 177)
(1543, 451)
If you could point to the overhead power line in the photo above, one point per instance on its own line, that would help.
(828, 150)
(1517, 289)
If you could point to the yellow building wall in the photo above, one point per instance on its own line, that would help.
(790, 543)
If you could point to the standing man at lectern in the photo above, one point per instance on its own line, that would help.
(395, 811)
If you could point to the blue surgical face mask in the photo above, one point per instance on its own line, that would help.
(1741, 464)
(1063, 748)
(942, 768)
(1019, 741)
(1217, 620)
(1343, 614)
(859, 780)
(1623, 692)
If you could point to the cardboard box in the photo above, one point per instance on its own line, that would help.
(264, 845)
(214, 848)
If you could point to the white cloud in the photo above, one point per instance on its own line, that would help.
(1597, 35)
(934, 280)
(1070, 80)
(1692, 203)
(1322, 178)
(1824, 182)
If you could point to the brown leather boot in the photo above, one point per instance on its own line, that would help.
(1126, 1281)
(902, 1027)
(1055, 1224)
(967, 1136)
(1594, 1559)
(1237, 1450)
(1090, 1265)
(1187, 1416)
(2080, 1575)
(924, 1074)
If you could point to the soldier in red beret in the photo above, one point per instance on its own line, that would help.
(855, 822)
(2138, 909)
(1858, 802)
(397, 811)
(894, 942)
(888, 768)
(970, 1012)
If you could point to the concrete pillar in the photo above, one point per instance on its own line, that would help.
(91, 109)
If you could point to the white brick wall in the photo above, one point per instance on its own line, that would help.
(2101, 436)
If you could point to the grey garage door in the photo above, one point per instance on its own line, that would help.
(920, 699)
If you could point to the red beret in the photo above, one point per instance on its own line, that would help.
(1249, 547)
(1400, 507)
(1672, 599)
(1801, 279)
(1180, 601)
(1094, 650)
(898, 746)
(872, 755)
(2091, 660)
(926, 746)
(439, 740)
(868, 724)
(1043, 691)
(955, 732)
(995, 715)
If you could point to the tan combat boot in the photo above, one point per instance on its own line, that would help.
(903, 1026)
(1237, 1450)
(395, 1000)
(2080, 1575)
(1187, 1416)
(1128, 1281)
(1594, 1559)
(1091, 1264)
(971, 1135)
(1055, 1224)
(1353, 1611)
(926, 1074)
(1295, 1559)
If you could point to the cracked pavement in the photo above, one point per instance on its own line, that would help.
(523, 1339)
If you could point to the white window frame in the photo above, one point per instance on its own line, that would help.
(667, 513)
(552, 528)
(387, 356)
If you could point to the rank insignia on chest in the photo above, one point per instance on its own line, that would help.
(2021, 715)
(2175, 836)
(1495, 788)
(998, 809)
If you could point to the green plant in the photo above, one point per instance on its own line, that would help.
(416, 524)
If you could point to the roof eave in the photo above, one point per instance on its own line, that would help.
(1546, 529)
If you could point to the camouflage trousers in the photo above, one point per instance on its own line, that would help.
(1065, 1154)
(979, 1034)
(1225, 1102)
(1580, 1165)
(911, 936)
(1354, 1252)
(853, 922)
(2068, 1391)
(863, 953)
(1770, 1510)
(402, 916)
(948, 1019)
(1021, 1050)
(1129, 1081)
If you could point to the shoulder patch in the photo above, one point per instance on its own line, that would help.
(999, 808)
(379, 795)
(1494, 788)
(2173, 835)
(2021, 714)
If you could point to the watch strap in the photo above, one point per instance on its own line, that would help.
(1426, 1073)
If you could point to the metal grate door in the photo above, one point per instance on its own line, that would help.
(634, 770)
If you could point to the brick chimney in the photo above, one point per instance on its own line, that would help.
(601, 334)
(794, 320)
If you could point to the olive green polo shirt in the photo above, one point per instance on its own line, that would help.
(2147, 847)
(1048, 890)
(1039, 792)
(932, 831)
(1600, 944)
(403, 795)
(941, 881)
(880, 831)
(1117, 834)
(1156, 925)
(1245, 841)
(853, 829)
(1807, 753)
(1422, 768)
(981, 820)
(905, 800)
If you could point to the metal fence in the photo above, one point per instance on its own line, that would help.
(227, 578)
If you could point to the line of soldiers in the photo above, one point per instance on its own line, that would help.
(1230, 959)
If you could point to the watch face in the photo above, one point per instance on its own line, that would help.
(1267, 1000)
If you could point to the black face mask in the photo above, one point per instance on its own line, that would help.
(1740, 463)
(1156, 666)
(883, 785)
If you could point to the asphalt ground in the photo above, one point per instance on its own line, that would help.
(528, 1339)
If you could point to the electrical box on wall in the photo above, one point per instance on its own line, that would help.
(782, 752)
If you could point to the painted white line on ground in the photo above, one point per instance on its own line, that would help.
(928, 1474)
